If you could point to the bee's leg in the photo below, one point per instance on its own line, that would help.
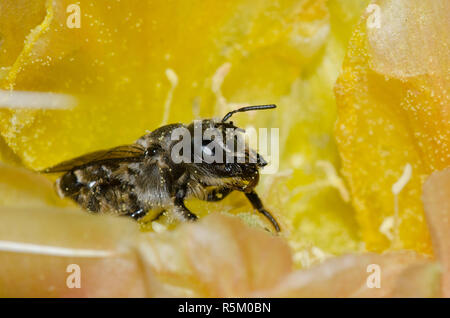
(179, 203)
(257, 204)
(160, 214)
(141, 213)
(218, 194)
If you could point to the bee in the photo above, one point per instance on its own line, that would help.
(131, 180)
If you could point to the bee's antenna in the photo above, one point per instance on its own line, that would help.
(246, 109)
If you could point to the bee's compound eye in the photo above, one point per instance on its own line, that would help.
(152, 150)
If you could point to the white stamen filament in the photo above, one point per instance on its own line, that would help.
(397, 187)
(173, 79)
(27, 248)
(216, 86)
(36, 100)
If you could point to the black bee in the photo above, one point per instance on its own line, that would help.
(133, 179)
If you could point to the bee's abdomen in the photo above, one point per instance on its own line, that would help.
(99, 194)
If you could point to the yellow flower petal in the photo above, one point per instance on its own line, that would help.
(393, 122)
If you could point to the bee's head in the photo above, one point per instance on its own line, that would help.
(213, 134)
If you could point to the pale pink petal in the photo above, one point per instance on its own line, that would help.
(409, 37)
(436, 198)
(38, 244)
(218, 257)
(350, 276)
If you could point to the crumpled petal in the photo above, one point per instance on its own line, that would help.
(221, 257)
(393, 115)
(436, 197)
(20, 187)
(411, 38)
(218, 257)
(37, 245)
(348, 276)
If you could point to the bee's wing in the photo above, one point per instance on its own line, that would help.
(126, 153)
